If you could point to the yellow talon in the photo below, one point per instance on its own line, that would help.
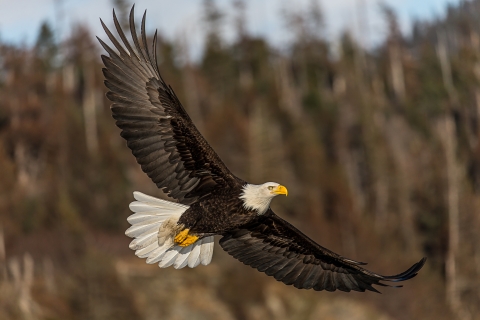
(188, 241)
(183, 239)
(179, 238)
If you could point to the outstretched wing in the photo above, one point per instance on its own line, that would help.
(272, 245)
(159, 132)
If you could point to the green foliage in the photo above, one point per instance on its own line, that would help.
(45, 46)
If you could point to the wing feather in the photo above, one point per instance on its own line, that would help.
(272, 245)
(159, 132)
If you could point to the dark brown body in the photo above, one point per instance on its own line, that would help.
(217, 213)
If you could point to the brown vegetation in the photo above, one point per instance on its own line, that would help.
(380, 151)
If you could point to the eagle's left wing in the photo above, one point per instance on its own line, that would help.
(161, 135)
(272, 245)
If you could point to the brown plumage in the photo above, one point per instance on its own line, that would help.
(272, 245)
(177, 158)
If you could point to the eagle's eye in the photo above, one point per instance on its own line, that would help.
(270, 188)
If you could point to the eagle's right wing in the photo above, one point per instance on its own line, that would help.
(272, 245)
(161, 135)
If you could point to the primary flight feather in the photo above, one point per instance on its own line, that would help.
(211, 200)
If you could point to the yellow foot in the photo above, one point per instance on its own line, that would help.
(183, 239)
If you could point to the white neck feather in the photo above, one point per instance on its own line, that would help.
(253, 198)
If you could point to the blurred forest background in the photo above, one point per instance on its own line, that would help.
(379, 148)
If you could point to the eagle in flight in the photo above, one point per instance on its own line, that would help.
(210, 199)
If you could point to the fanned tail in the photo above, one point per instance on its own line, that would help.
(154, 225)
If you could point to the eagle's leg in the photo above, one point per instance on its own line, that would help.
(184, 239)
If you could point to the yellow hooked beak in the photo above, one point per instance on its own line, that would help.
(280, 190)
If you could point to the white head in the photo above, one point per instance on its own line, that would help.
(258, 197)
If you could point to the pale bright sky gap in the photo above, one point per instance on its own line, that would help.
(20, 20)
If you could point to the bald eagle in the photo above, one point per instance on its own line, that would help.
(210, 199)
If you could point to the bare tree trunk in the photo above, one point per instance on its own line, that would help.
(381, 190)
(379, 167)
(68, 78)
(396, 69)
(289, 100)
(245, 77)
(255, 138)
(446, 68)
(447, 134)
(349, 159)
(23, 285)
(89, 111)
(404, 179)
(49, 275)
(27, 305)
(349, 211)
(28, 166)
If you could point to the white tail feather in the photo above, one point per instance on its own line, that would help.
(154, 225)
(143, 241)
(182, 258)
(157, 254)
(207, 251)
(194, 259)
